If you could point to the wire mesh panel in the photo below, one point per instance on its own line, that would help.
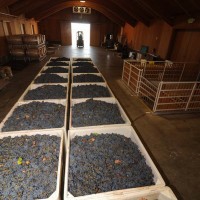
(147, 92)
(194, 103)
(173, 96)
(154, 70)
(191, 72)
(173, 72)
(165, 86)
(162, 71)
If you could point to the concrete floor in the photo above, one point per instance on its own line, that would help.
(172, 140)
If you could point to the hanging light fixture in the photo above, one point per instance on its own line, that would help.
(191, 20)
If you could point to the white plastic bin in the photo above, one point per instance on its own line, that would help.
(64, 75)
(34, 86)
(74, 62)
(67, 62)
(97, 74)
(60, 133)
(47, 67)
(108, 100)
(99, 84)
(75, 59)
(129, 132)
(62, 102)
(73, 67)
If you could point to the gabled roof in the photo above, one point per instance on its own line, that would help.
(119, 11)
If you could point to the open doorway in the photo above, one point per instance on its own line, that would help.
(85, 28)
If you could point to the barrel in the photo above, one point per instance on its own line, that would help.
(14, 39)
(17, 52)
(37, 53)
(32, 39)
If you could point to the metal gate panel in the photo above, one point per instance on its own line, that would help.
(194, 103)
(131, 76)
(147, 92)
(174, 96)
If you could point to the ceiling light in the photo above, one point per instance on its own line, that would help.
(82, 1)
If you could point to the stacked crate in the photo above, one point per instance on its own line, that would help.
(41, 92)
(27, 47)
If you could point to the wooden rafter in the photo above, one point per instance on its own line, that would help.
(152, 6)
(196, 3)
(46, 6)
(132, 10)
(31, 6)
(129, 11)
(5, 3)
(107, 12)
(116, 9)
(27, 6)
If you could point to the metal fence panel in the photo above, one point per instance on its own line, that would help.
(165, 86)
(178, 96)
(147, 92)
(131, 76)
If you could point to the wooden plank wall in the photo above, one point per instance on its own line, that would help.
(66, 39)
(186, 46)
(156, 36)
(95, 34)
(100, 25)
(51, 29)
(4, 48)
(178, 43)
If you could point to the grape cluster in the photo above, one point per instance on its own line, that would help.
(29, 166)
(95, 112)
(106, 162)
(86, 69)
(55, 70)
(83, 59)
(83, 78)
(47, 92)
(60, 59)
(90, 91)
(83, 64)
(57, 63)
(50, 78)
(35, 115)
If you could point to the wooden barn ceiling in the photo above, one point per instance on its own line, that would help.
(119, 11)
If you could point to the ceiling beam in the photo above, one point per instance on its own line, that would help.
(53, 9)
(20, 7)
(25, 6)
(132, 10)
(196, 3)
(152, 7)
(43, 7)
(5, 3)
(116, 9)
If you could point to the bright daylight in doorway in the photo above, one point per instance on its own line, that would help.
(75, 27)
